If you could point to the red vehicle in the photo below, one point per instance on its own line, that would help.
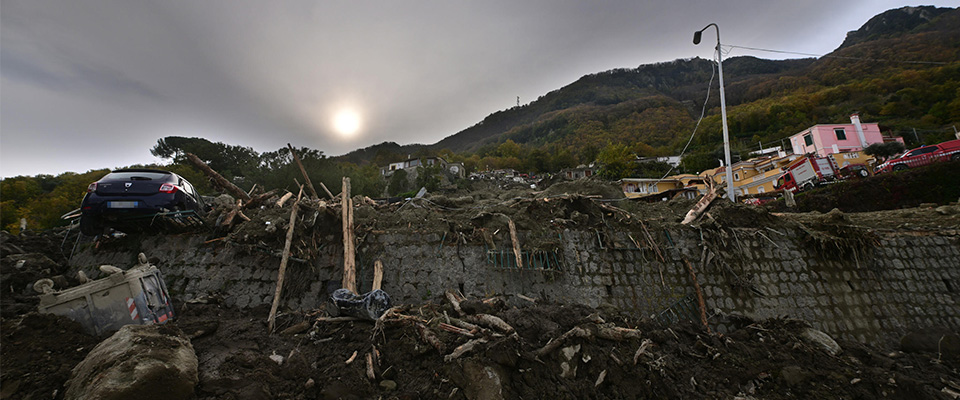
(926, 155)
(807, 172)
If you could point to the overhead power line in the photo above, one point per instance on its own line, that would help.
(837, 57)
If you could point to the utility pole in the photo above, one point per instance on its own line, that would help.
(723, 111)
(518, 101)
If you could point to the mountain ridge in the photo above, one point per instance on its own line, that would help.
(656, 105)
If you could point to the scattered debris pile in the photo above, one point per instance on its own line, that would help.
(472, 348)
(515, 347)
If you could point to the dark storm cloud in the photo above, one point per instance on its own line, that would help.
(105, 79)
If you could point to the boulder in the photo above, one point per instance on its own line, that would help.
(480, 381)
(794, 375)
(823, 340)
(138, 362)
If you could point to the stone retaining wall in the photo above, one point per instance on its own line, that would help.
(861, 288)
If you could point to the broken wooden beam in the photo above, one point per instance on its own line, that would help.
(296, 157)
(271, 320)
(255, 201)
(324, 187)
(555, 343)
(464, 349)
(377, 275)
(428, 336)
(454, 301)
(516, 243)
(349, 260)
(218, 179)
(696, 286)
(284, 199)
(490, 321)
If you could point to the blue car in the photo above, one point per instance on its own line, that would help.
(125, 200)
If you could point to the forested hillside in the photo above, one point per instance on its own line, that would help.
(901, 69)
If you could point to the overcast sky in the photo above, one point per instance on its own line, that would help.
(94, 84)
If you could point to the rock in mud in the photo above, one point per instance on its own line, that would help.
(794, 375)
(137, 362)
(481, 382)
(568, 368)
(821, 339)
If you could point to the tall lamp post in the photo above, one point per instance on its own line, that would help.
(723, 111)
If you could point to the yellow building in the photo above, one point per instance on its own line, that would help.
(641, 187)
(753, 176)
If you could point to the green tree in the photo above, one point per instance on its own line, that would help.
(618, 161)
(885, 150)
(695, 163)
(398, 183)
(429, 177)
(228, 160)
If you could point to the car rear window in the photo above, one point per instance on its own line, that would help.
(135, 176)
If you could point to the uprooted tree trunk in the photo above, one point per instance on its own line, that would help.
(218, 179)
(702, 205)
(602, 331)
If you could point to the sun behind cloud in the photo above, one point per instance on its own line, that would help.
(346, 122)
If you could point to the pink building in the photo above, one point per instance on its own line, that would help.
(826, 139)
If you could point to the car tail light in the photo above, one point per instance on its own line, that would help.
(168, 188)
(92, 187)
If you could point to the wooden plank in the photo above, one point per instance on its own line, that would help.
(516, 243)
(377, 275)
(349, 260)
(700, 303)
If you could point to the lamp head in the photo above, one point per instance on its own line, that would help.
(696, 36)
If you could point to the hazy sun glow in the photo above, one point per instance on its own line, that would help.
(346, 122)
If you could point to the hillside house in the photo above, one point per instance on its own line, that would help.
(685, 185)
(410, 165)
(583, 171)
(824, 139)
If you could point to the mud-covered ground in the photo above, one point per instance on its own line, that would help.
(411, 355)
(239, 360)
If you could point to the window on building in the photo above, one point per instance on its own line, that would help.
(841, 134)
(736, 176)
(760, 189)
(808, 139)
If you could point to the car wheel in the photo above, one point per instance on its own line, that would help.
(900, 167)
(863, 173)
(955, 157)
(807, 186)
(90, 225)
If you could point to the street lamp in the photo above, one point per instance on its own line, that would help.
(723, 111)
